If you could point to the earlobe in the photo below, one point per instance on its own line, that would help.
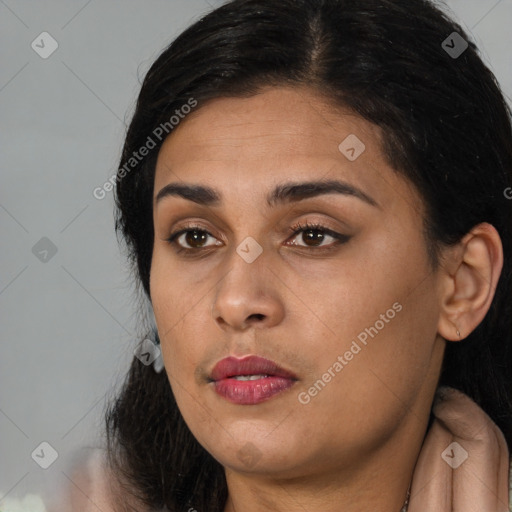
(470, 279)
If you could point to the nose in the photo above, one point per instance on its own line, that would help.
(248, 295)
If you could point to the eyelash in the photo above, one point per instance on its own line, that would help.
(294, 230)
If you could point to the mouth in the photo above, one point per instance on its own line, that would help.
(251, 380)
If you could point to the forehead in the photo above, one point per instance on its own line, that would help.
(247, 145)
(277, 119)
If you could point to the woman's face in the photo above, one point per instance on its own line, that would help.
(348, 311)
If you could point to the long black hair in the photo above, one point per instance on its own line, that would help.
(446, 127)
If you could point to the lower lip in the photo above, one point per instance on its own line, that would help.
(251, 392)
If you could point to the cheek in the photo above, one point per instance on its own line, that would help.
(176, 295)
(173, 308)
(376, 289)
(380, 315)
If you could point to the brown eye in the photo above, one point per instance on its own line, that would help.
(314, 234)
(191, 238)
(195, 237)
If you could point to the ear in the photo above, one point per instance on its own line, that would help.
(469, 278)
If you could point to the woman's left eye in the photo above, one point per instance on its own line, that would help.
(314, 236)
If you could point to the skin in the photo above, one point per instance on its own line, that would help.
(354, 446)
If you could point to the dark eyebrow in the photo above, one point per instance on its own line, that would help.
(284, 193)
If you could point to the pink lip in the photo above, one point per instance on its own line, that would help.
(250, 392)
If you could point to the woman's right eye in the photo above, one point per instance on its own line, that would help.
(193, 236)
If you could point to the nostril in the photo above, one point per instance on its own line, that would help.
(259, 316)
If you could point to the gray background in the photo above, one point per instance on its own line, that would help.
(68, 327)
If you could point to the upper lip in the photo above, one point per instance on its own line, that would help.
(250, 365)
